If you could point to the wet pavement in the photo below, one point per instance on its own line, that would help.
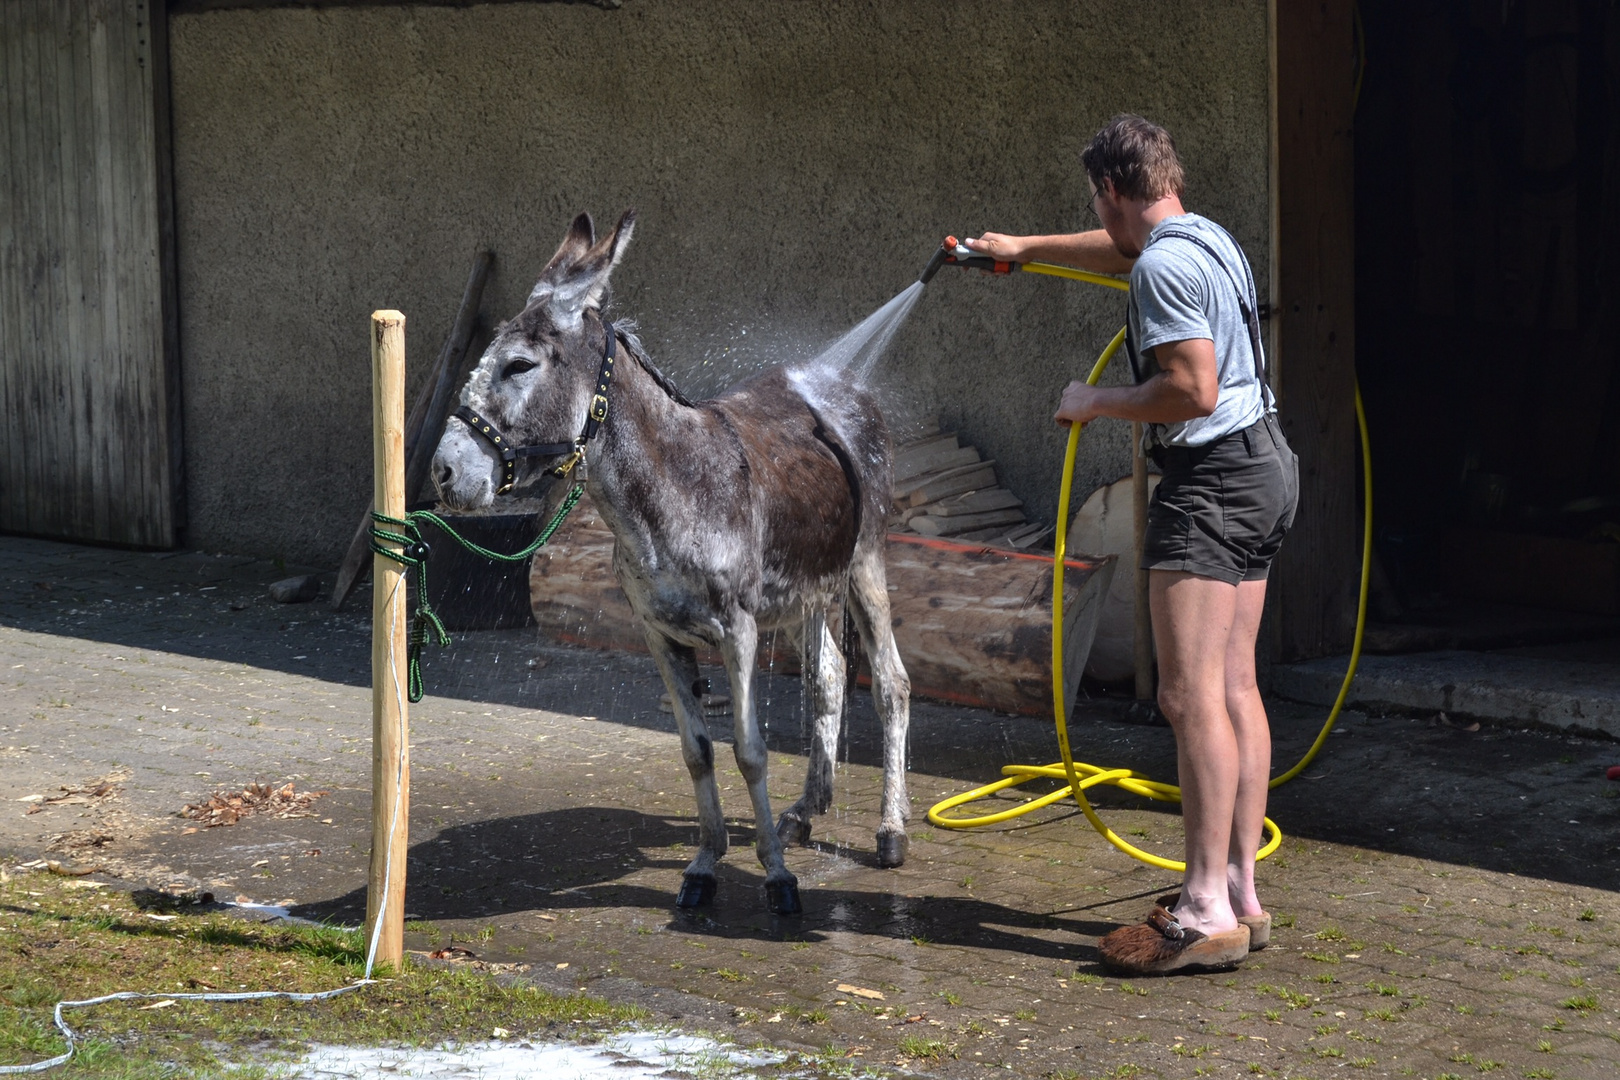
(1446, 900)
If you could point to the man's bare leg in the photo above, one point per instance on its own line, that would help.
(1193, 619)
(1253, 732)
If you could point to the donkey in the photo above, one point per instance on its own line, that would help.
(752, 511)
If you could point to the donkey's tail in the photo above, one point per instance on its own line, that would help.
(827, 434)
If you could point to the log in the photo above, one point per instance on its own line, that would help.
(425, 425)
(924, 444)
(972, 502)
(973, 623)
(932, 488)
(929, 525)
(1106, 523)
(940, 452)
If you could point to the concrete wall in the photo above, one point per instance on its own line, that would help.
(793, 163)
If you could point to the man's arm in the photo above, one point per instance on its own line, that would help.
(1092, 250)
(1187, 387)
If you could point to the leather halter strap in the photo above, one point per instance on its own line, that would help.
(594, 416)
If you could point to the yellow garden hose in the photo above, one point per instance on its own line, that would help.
(1068, 769)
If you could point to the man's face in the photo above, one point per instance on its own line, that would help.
(1111, 212)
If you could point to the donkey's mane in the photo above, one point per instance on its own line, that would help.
(626, 329)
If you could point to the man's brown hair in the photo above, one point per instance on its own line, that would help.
(1137, 156)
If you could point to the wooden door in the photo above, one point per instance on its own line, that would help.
(88, 398)
(1313, 323)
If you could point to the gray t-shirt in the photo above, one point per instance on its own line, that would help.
(1178, 293)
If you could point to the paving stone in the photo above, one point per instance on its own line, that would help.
(1430, 886)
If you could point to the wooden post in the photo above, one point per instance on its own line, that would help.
(1144, 616)
(390, 762)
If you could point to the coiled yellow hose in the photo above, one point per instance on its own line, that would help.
(1068, 769)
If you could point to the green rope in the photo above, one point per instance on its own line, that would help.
(413, 553)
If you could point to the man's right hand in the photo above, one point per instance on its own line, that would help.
(999, 246)
(1094, 250)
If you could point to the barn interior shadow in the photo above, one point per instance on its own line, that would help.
(581, 858)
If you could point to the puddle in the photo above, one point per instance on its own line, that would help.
(635, 1056)
(278, 911)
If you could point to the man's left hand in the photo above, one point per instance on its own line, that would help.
(1080, 404)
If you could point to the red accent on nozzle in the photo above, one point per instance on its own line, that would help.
(950, 242)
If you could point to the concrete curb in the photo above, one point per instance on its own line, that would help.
(1509, 690)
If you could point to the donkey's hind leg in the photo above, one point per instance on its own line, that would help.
(678, 665)
(891, 693)
(739, 649)
(823, 666)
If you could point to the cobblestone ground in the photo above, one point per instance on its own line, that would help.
(1445, 900)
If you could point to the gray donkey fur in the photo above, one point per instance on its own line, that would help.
(752, 511)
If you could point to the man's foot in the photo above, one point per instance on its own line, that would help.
(1259, 925)
(1161, 945)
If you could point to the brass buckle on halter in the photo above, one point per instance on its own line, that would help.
(599, 408)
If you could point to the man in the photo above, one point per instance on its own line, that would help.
(1215, 525)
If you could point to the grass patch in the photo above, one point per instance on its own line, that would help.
(915, 1046)
(58, 941)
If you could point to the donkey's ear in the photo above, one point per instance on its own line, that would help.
(581, 235)
(567, 289)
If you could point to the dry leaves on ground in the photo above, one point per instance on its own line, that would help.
(90, 793)
(229, 807)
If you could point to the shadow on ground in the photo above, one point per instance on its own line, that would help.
(580, 859)
(1529, 802)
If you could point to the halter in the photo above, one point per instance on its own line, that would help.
(575, 450)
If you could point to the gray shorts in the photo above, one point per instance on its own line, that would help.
(1221, 510)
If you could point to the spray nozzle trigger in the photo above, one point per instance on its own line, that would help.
(953, 252)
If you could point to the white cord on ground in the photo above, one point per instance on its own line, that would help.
(259, 995)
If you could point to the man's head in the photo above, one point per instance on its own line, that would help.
(1133, 167)
(1136, 157)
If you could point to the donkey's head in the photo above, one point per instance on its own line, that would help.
(536, 380)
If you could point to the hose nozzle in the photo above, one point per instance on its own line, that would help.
(952, 252)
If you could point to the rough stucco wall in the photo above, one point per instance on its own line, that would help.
(793, 165)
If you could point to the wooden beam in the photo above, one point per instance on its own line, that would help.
(1313, 280)
(425, 426)
(1141, 617)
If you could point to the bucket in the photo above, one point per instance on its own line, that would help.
(468, 591)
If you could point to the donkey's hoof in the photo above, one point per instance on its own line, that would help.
(792, 829)
(782, 897)
(697, 890)
(892, 848)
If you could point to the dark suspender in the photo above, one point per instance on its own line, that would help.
(1248, 306)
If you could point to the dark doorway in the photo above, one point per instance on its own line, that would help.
(1487, 281)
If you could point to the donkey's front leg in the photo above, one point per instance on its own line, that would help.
(823, 677)
(739, 649)
(891, 693)
(678, 665)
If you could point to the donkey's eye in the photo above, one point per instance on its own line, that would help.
(517, 367)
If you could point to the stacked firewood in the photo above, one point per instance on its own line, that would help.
(942, 488)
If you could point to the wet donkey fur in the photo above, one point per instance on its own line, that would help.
(753, 511)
